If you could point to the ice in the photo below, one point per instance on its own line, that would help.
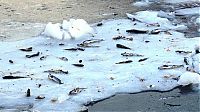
(142, 3)
(188, 11)
(101, 76)
(189, 78)
(180, 1)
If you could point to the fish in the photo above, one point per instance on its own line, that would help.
(55, 79)
(137, 31)
(122, 46)
(75, 49)
(78, 65)
(87, 43)
(140, 60)
(29, 49)
(13, 77)
(57, 71)
(33, 55)
(163, 67)
(183, 52)
(131, 54)
(28, 93)
(123, 62)
(76, 91)
(122, 37)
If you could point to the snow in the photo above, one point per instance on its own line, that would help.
(189, 78)
(101, 76)
(72, 29)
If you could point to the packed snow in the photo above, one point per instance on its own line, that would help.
(75, 67)
(74, 28)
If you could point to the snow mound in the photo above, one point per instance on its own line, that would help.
(189, 78)
(72, 29)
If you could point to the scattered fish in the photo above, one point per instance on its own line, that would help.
(123, 62)
(33, 55)
(170, 67)
(57, 71)
(13, 77)
(122, 46)
(28, 93)
(78, 65)
(75, 49)
(122, 37)
(29, 49)
(183, 52)
(55, 79)
(131, 54)
(140, 60)
(137, 31)
(76, 91)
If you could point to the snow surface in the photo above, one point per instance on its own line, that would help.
(101, 76)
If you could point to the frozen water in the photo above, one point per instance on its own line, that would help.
(101, 76)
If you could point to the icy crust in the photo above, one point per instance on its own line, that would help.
(101, 76)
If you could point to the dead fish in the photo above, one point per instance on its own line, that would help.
(99, 24)
(78, 65)
(155, 31)
(131, 54)
(183, 52)
(140, 60)
(75, 49)
(123, 38)
(61, 44)
(122, 46)
(33, 55)
(28, 93)
(43, 57)
(137, 31)
(13, 77)
(29, 49)
(170, 67)
(87, 43)
(76, 91)
(55, 79)
(123, 62)
(40, 97)
(57, 71)
(63, 58)
(11, 61)
(186, 60)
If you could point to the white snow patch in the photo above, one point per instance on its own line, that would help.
(72, 29)
(101, 76)
(189, 78)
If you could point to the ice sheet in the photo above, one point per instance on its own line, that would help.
(101, 76)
